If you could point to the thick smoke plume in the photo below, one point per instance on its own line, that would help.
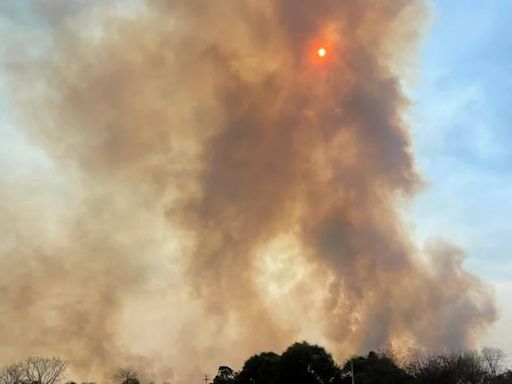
(214, 190)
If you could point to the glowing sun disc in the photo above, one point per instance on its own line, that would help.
(321, 52)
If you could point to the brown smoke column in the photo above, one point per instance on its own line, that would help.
(220, 192)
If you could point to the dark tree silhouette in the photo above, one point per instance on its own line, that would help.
(303, 363)
(375, 369)
(225, 375)
(260, 369)
(503, 378)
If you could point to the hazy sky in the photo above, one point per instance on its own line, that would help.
(461, 118)
(462, 128)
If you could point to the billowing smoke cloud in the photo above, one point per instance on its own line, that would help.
(214, 190)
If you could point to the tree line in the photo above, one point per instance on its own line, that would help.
(304, 363)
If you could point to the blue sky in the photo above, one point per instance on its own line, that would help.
(461, 120)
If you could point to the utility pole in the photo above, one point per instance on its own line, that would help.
(206, 379)
(352, 370)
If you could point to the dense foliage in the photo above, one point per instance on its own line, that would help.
(303, 363)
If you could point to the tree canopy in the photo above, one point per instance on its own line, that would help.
(260, 369)
(375, 369)
(304, 363)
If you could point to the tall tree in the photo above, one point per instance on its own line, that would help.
(260, 369)
(304, 363)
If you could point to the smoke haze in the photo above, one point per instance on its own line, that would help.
(214, 190)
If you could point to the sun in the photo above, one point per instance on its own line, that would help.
(322, 52)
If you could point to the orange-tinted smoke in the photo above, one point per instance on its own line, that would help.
(226, 193)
